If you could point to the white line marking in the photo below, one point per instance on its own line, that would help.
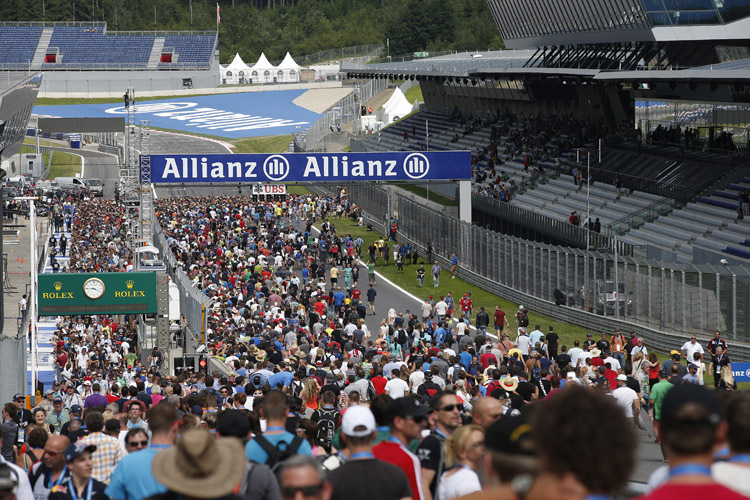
(404, 291)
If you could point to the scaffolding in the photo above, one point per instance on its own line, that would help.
(146, 194)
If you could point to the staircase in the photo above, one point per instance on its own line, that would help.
(41, 49)
(155, 57)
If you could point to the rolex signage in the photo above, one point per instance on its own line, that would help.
(97, 293)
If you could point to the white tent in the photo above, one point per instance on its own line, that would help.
(288, 70)
(397, 107)
(236, 71)
(262, 71)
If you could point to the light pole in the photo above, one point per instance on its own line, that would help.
(587, 225)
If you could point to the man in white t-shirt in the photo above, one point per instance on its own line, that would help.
(614, 363)
(626, 398)
(441, 308)
(639, 348)
(690, 348)
(574, 353)
(396, 388)
(524, 342)
(415, 380)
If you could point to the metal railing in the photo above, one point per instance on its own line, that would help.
(193, 302)
(640, 217)
(663, 302)
(562, 231)
(345, 111)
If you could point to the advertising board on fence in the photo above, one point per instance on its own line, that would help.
(311, 167)
(97, 293)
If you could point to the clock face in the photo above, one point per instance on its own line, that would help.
(93, 288)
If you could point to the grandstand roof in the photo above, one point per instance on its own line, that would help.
(461, 64)
(730, 71)
(10, 79)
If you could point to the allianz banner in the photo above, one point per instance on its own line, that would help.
(96, 293)
(741, 372)
(312, 167)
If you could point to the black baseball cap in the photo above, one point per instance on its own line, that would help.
(511, 434)
(405, 407)
(690, 404)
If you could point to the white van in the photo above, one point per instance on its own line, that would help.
(71, 183)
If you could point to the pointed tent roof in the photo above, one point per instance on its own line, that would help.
(262, 63)
(288, 63)
(237, 64)
(397, 105)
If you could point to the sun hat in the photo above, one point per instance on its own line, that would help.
(509, 384)
(201, 466)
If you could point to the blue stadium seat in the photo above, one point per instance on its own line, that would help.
(189, 50)
(738, 252)
(88, 46)
(19, 44)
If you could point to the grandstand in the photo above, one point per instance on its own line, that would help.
(79, 46)
(664, 87)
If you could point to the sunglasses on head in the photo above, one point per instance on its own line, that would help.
(308, 491)
(450, 408)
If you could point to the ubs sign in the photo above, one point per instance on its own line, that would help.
(97, 293)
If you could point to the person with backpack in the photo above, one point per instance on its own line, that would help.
(327, 420)
(259, 482)
(275, 445)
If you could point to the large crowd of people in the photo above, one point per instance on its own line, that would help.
(312, 403)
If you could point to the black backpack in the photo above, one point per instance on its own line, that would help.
(327, 420)
(401, 336)
(523, 319)
(278, 454)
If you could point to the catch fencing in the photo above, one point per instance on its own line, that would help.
(345, 111)
(664, 302)
(193, 302)
(13, 359)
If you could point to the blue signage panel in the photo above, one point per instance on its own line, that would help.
(311, 167)
(741, 372)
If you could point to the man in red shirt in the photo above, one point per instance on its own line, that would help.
(379, 381)
(406, 419)
(466, 304)
(356, 296)
(500, 321)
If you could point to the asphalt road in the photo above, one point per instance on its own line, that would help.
(98, 166)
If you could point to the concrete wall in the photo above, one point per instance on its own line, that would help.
(173, 87)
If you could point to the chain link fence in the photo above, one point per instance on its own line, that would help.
(345, 111)
(365, 52)
(13, 361)
(193, 302)
(664, 302)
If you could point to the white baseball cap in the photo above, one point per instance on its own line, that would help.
(358, 421)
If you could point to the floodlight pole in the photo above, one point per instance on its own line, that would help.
(588, 222)
(32, 299)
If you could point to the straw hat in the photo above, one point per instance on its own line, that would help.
(509, 384)
(201, 466)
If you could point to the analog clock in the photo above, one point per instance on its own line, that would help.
(93, 288)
